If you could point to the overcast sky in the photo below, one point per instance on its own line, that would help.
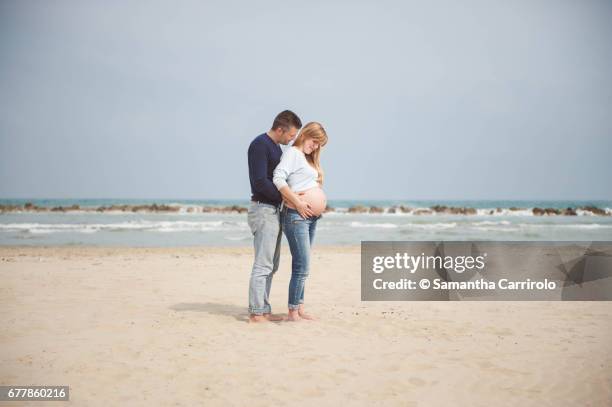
(421, 100)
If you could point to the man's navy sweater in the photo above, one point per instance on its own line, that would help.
(264, 155)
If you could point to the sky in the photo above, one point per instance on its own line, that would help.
(420, 100)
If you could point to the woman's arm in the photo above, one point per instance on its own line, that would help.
(287, 165)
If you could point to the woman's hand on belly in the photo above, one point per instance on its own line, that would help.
(316, 199)
(303, 207)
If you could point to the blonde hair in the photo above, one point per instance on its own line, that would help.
(316, 132)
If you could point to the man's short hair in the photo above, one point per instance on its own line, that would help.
(286, 119)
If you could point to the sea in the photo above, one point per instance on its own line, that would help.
(191, 225)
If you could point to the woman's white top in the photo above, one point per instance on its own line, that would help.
(295, 171)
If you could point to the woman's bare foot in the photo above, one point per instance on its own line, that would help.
(302, 313)
(293, 315)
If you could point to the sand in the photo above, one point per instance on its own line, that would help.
(136, 326)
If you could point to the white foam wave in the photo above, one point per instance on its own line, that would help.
(496, 229)
(238, 238)
(492, 223)
(428, 226)
(568, 226)
(372, 225)
(504, 212)
(141, 225)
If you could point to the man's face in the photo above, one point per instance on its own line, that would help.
(288, 135)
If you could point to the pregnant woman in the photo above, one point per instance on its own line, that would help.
(299, 177)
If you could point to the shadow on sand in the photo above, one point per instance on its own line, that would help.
(229, 310)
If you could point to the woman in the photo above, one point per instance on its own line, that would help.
(299, 177)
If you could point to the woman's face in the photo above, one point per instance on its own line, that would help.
(310, 145)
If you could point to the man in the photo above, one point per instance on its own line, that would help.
(264, 213)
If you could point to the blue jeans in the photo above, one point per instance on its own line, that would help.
(265, 224)
(300, 234)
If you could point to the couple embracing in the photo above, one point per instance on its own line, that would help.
(286, 198)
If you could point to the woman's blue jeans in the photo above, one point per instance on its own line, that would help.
(300, 234)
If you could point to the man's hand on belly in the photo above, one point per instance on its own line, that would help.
(287, 203)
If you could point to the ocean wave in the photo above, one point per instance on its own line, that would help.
(171, 226)
(238, 238)
(372, 225)
(568, 226)
(434, 225)
(505, 212)
(521, 227)
(496, 229)
(142, 225)
(492, 223)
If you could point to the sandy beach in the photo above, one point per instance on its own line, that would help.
(167, 326)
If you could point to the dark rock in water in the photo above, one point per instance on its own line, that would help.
(569, 212)
(545, 211)
(9, 208)
(454, 210)
(514, 208)
(239, 209)
(146, 208)
(29, 206)
(58, 209)
(357, 209)
(491, 212)
(594, 210)
(462, 211)
(392, 209)
(75, 207)
(168, 208)
(405, 209)
(376, 209)
(329, 209)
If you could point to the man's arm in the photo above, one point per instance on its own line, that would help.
(258, 170)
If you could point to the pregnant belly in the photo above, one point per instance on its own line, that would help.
(317, 200)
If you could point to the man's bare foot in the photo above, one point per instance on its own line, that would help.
(257, 318)
(302, 313)
(273, 317)
(293, 315)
